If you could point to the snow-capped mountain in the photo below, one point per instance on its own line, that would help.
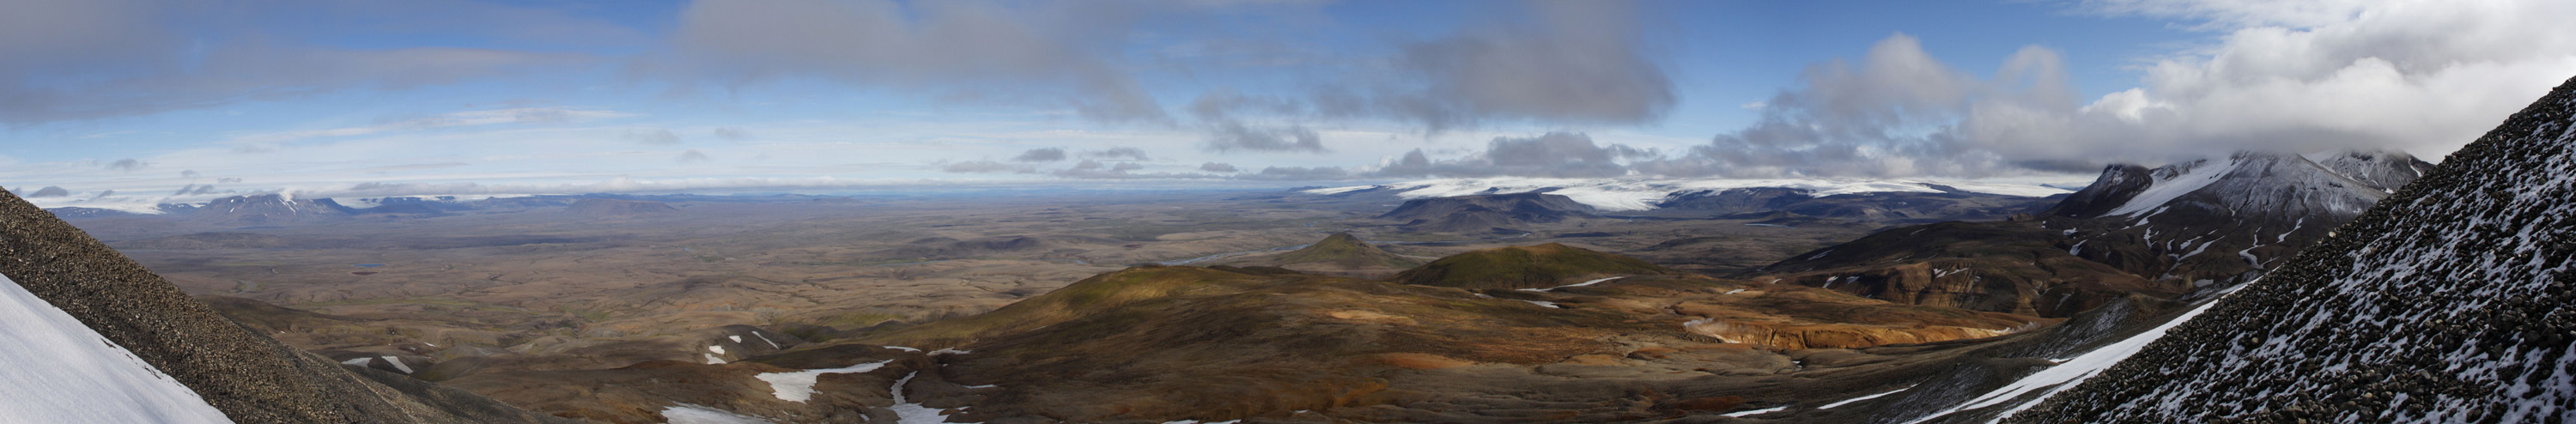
(267, 209)
(1639, 194)
(2266, 184)
(2446, 302)
(2216, 221)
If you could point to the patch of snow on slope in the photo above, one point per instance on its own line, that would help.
(1586, 283)
(713, 360)
(1636, 194)
(53, 369)
(906, 412)
(719, 350)
(358, 362)
(736, 338)
(1862, 398)
(693, 414)
(1757, 411)
(2165, 190)
(798, 386)
(2071, 371)
(765, 339)
(398, 364)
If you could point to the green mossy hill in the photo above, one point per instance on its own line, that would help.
(1524, 267)
(1344, 250)
(1082, 298)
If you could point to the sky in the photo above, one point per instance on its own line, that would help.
(135, 102)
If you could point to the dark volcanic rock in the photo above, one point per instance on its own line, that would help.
(2447, 302)
(251, 378)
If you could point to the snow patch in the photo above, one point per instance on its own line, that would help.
(53, 369)
(1862, 398)
(2167, 189)
(798, 386)
(907, 412)
(2071, 371)
(398, 364)
(693, 414)
(1757, 411)
(1586, 283)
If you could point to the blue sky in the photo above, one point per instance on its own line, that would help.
(156, 99)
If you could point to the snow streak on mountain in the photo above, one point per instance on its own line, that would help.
(2444, 303)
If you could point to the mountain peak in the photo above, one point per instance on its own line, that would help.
(273, 208)
(1346, 251)
(2338, 182)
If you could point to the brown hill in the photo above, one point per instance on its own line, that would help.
(1342, 251)
(1525, 267)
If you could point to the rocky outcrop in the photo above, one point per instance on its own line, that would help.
(2445, 302)
(251, 378)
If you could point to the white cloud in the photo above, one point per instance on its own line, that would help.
(452, 119)
(2425, 76)
(2421, 76)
